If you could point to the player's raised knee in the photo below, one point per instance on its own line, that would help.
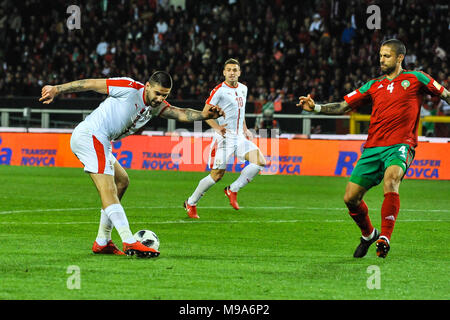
(123, 182)
(351, 201)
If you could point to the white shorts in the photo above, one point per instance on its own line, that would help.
(94, 151)
(223, 150)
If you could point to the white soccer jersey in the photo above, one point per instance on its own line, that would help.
(123, 112)
(232, 101)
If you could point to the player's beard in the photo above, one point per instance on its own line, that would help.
(387, 70)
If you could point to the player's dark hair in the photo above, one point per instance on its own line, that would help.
(161, 78)
(396, 45)
(231, 61)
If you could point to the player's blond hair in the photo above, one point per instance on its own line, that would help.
(231, 61)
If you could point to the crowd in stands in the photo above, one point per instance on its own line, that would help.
(286, 48)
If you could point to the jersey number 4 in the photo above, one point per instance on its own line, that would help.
(390, 87)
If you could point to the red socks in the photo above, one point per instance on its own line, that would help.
(389, 213)
(361, 217)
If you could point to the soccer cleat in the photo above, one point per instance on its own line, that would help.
(191, 210)
(363, 247)
(382, 247)
(139, 250)
(232, 196)
(109, 248)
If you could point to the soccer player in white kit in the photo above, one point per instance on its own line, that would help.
(128, 107)
(231, 138)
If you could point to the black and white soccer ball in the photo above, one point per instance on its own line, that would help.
(148, 238)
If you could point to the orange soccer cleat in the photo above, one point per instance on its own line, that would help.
(232, 196)
(382, 247)
(191, 210)
(109, 248)
(140, 250)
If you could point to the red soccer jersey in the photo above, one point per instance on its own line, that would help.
(395, 106)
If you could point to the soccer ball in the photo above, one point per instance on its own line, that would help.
(147, 238)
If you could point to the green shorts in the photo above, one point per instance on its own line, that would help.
(370, 168)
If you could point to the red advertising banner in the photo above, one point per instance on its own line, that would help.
(284, 156)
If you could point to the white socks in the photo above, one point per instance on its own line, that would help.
(117, 216)
(247, 175)
(203, 186)
(104, 229)
(370, 235)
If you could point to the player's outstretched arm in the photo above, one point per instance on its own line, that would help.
(446, 96)
(48, 93)
(191, 115)
(308, 104)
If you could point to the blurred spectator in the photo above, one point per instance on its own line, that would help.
(102, 47)
(348, 34)
(316, 26)
(161, 26)
(290, 46)
(266, 121)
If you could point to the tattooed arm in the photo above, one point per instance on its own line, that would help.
(446, 96)
(48, 92)
(307, 103)
(191, 115)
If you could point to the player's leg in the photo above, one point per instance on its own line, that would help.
(357, 208)
(365, 175)
(398, 159)
(121, 179)
(248, 151)
(389, 208)
(92, 153)
(204, 185)
(217, 162)
(107, 189)
(256, 164)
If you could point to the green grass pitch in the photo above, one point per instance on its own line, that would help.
(292, 239)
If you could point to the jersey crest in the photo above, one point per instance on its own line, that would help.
(405, 84)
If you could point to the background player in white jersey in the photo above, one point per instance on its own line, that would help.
(129, 105)
(231, 138)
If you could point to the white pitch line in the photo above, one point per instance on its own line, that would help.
(143, 207)
(209, 207)
(211, 221)
(373, 209)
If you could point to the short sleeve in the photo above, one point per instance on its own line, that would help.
(214, 96)
(121, 87)
(359, 96)
(432, 86)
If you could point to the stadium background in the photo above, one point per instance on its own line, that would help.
(287, 49)
(292, 238)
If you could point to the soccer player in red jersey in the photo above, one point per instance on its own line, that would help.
(396, 99)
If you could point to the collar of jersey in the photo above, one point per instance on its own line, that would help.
(395, 76)
(231, 86)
